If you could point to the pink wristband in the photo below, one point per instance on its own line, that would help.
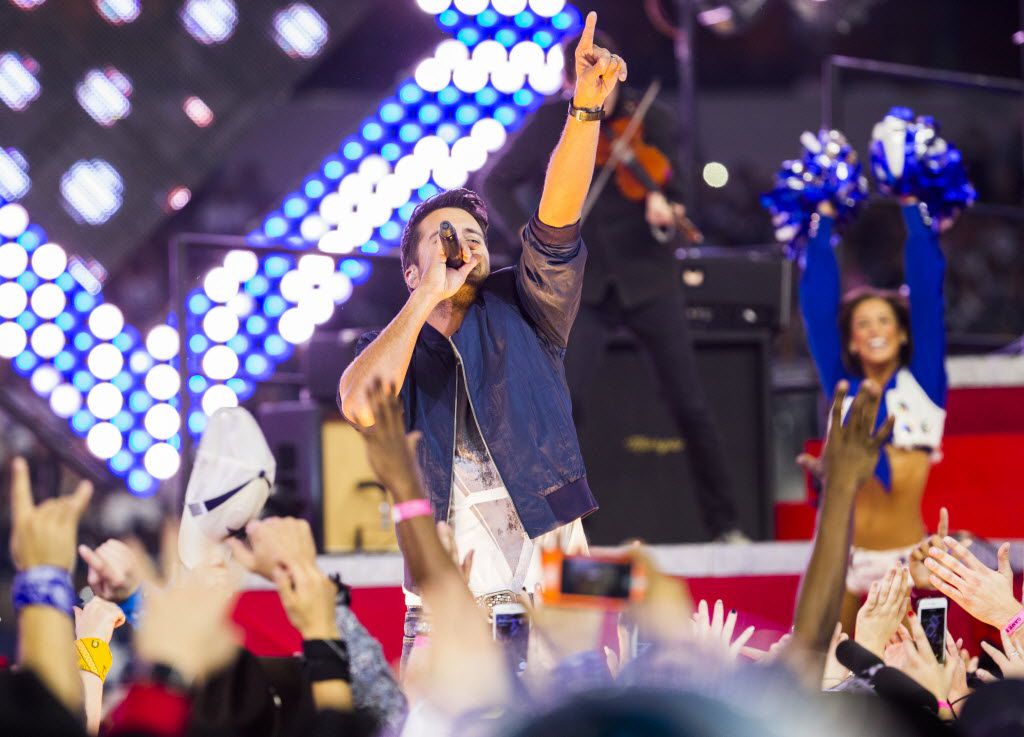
(943, 704)
(412, 508)
(1014, 624)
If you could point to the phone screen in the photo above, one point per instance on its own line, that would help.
(933, 621)
(593, 577)
(513, 632)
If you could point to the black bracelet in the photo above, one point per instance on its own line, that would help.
(327, 660)
(161, 674)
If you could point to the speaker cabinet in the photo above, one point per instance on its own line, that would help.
(292, 430)
(638, 465)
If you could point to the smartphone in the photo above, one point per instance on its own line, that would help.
(511, 627)
(604, 581)
(932, 612)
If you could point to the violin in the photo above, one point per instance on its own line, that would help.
(639, 168)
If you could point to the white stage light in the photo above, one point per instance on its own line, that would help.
(14, 179)
(450, 174)
(313, 226)
(334, 241)
(434, 6)
(104, 94)
(509, 7)
(300, 31)
(65, 400)
(106, 321)
(117, 12)
(162, 421)
(197, 111)
(92, 191)
(470, 76)
(162, 381)
(412, 171)
(471, 7)
(162, 342)
(162, 461)
(18, 83)
(295, 285)
(508, 78)
(374, 168)
(12, 339)
(48, 300)
(431, 150)
(352, 188)
(490, 54)
(105, 361)
(13, 220)
(715, 174)
(242, 265)
(527, 57)
(450, 52)
(547, 8)
(469, 153)
(332, 208)
(393, 191)
(13, 260)
(47, 340)
(317, 306)
(13, 300)
(241, 304)
(220, 324)
(295, 326)
(49, 261)
(103, 440)
(209, 21)
(340, 288)
(374, 210)
(220, 362)
(432, 75)
(104, 400)
(547, 80)
(217, 397)
(490, 133)
(316, 268)
(220, 284)
(44, 380)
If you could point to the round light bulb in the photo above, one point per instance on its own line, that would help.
(47, 340)
(13, 260)
(162, 461)
(48, 300)
(65, 400)
(242, 265)
(220, 284)
(162, 421)
(162, 381)
(105, 361)
(162, 342)
(12, 339)
(13, 300)
(13, 220)
(49, 261)
(104, 400)
(106, 321)
(45, 379)
(295, 326)
(220, 362)
(103, 440)
(220, 324)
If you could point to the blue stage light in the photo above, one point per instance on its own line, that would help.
(139, 401)
(64, 361)
(449, 133)
(373, 131)
(523, 97)
(28, 281)
(199, 303)
(314, 189)
(563, 20)
(391, 231)
(257, 366)
(239, 344)
(274, 305)
(196, 422)
(141, 483)
(544, 39)
(488, 18)
(427, 191)
(356, 270)
(84, 302)
(123, 421)
(197, 384)
(32, 238)
(295, 207)
(275, 226)
(27, 321)
(277, 266)
(406, 210)
(257, 286)
(507, 37)
(139, 441)
(25, 362)
(467, 114)
(140, 362)
(64, 321)
(391, 151)
(410, 93)
(81, 421)
(391, 112)
(256, 325)
(333, 168)
(506, 115)
(449, 18)
(198, 344)
(66, 282)
(123, 381)
(370, 247)
(352, 150)
(524, 19)
(486, 97)
(469, 36)
(275, 345)
(429, 114)
(121, 462)
(449, 95)
(123, 342)
(83, 381)
(410, 132)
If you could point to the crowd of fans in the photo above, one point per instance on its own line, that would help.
(679, 669)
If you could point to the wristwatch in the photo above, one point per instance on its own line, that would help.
(586, 114)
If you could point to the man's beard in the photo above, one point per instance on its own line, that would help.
(478, 275)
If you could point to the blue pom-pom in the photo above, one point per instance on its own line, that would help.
(828, 170)
(909, 158)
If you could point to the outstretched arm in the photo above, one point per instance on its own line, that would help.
(819, 301)
(924, 270)
(572, 163)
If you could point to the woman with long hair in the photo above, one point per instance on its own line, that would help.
(874, 334)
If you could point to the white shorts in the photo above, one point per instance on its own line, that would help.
(867, 566)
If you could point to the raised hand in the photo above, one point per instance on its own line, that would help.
(44, 535)
(835, 672)
(918, 570)
(308, 597)
(1010, 659)
(851, 448)
(920, 662)
(983, 593)
(441, 281)
(98, 618)
(274, 542)
(114, 570)
(391, 453)
(597, 69)
(887, 604)
(715, 629)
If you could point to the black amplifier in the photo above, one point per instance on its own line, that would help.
(739, 288)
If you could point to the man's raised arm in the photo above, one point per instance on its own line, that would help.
(572, 163)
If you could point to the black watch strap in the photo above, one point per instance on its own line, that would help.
(327, 660)
(586, 114)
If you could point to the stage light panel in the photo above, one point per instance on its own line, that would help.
(105, 95)
(18, 83)
(118, 12)
(14, 179)
(300, 31)
(209, 21)
(197, 111)
(92, 191)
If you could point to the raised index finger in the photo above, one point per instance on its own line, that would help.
(21, 490)
(587, 38)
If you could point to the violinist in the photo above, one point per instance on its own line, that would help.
(632, 226)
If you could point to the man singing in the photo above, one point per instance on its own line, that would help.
(478, 361)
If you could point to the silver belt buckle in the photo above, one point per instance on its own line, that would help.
(489, 601)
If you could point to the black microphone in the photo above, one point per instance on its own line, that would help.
(450, 242)
(889, 683)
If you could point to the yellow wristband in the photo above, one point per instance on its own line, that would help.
(94, 656)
